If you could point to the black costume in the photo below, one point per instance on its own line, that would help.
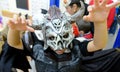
(79, 60)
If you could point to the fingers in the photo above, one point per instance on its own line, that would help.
(23, 20)
(12, 21)
(30, 29)
(91, 12)
(20, 19)
(15, 19)
(90, 8)
(104, 2)
(113, 4)
(9, 22)
(86, 18)
(96, 3)
(29, 22)
(19, 22)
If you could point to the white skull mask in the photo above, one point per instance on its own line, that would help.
(58, 34)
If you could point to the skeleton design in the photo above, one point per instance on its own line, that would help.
(57, 30)
(58, 34)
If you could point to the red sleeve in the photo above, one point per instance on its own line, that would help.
(91, 2)
(111, 17)
(75, 30)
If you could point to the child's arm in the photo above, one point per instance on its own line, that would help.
(16, 25)
(98, 14)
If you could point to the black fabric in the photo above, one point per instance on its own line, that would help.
(49, 61)
(58, 58)
(102, 61)
(86, 11)
(83, 47)
(35, 39)
(13, 58)
(31, 40)
(92, 28)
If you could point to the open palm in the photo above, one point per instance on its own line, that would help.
(99, 11)
(19, 23)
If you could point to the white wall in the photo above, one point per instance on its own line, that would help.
(34, 6)
(62, 8)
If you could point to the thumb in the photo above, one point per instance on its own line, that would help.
(86, 18)
(30, 29)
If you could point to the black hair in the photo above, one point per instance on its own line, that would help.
(83, 1)
(85, 28)
(77, 2)
(43, 11)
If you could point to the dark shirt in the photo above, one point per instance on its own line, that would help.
(101, 61)
(12, 57)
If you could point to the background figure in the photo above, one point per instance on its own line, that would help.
(3, 36)
(3, 33)
(1, 42)
(116, 21)
(111, 15)
(117, 18)
(77, 9)
(118, 14)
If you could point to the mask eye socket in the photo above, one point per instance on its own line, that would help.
(51, 37)
(66, 35)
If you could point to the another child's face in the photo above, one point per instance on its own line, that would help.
(72, 10)
(69, 10)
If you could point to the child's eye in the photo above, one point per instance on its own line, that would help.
(66, 35)
(51, 38)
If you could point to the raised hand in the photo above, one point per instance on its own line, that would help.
(99, 11)
(19, 23)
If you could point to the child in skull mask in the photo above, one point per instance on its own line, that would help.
(59, 51)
